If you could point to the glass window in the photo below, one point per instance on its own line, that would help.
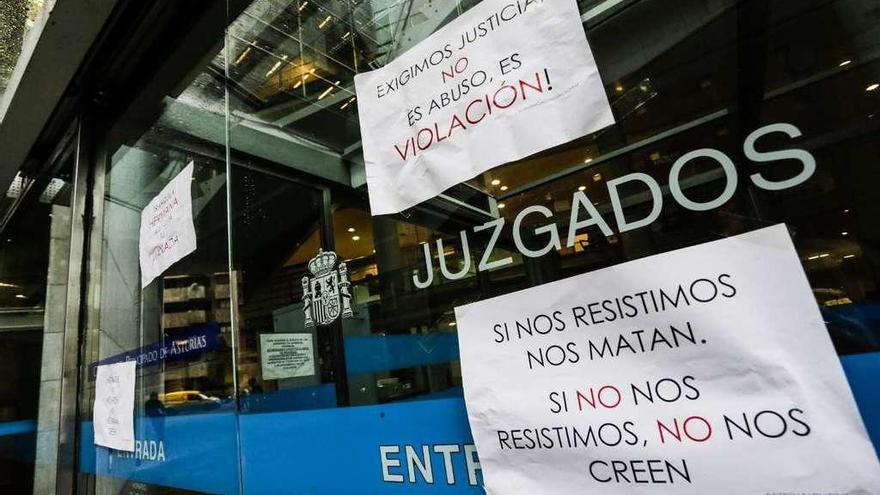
(34, 254)
(706, 75)
(177, 327)
(329, 334)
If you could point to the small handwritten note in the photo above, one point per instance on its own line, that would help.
(113, 414)
(167, 231)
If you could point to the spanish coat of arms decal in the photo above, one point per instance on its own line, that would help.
(327, 293)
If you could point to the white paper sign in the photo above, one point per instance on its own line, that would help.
(167, 231)
(501, 82)
(704, 370)
(113, 413)
(287, 355)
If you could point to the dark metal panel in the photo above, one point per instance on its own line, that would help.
(70, 32)
(81, 221)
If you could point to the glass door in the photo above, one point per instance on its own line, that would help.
(160, 291)
(177, 328)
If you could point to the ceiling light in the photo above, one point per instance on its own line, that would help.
(351, 229)
(501, 206)
(588, 160)
(355, 238)
(811, 258)
(243, 55)
(597, 177)
(328, 90)
(451, 323)
(346, 35)
(496, 182)
(324, 22)
(273, 69)
(845, 63)
(619, 88)
(849, 256)
(349, 102)
(304, 4)
(582, 188)
(276, 66)
(504, 188)
(20, 296)
(844, 233)
(5, 285)
(846, 211)
(824, 255)
(873, 87)
(52, 190)
(304, 79)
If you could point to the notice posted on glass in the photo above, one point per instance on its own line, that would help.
(470, 97)
(287, 355)
(113, 411)
(703, 370)
(167, 232)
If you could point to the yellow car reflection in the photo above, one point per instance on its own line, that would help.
(187, 397)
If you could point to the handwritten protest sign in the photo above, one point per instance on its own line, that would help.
(113, 412)
(167, 232)
(501, 82)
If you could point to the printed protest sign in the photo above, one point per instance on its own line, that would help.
(501, 82)
(287, 355)
(167, 232)
(703, 370)
(113, 412)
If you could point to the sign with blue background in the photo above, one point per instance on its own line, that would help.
(181, 345)
(416, 447)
